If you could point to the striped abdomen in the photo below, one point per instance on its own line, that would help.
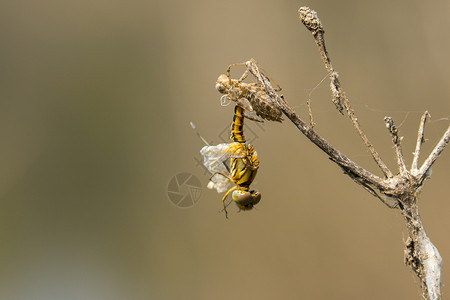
(237, 128)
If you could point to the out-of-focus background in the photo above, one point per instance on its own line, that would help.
(96, 99)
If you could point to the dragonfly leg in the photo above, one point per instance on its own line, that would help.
(221, 173)
(225, 197)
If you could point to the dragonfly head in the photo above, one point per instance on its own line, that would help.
(222, 83)
(246, 200)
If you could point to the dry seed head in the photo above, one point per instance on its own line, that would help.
(310, 19)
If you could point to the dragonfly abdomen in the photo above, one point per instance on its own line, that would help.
(237, 127)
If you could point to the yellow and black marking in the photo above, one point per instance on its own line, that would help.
(237, 127)
(243, 169)
(244, 165)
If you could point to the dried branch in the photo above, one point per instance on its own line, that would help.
(310, 19)
(311, 119)
(434, 154)
(397, 144)
(365, 178)
(400, 189)
(420, 254)
(420, 141)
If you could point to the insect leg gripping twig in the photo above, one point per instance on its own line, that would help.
(420, 254)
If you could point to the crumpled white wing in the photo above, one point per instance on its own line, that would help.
(214, 159)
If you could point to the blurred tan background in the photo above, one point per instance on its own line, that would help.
(96, 100)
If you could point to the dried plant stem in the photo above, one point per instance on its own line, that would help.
(337, 156)
(311, 119)
(434, 154)
(420, 141)
(311, 21)
(420, 254)
(397, 144)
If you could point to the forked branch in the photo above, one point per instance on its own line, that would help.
(401, 189)
(310, 19)
(420, 254)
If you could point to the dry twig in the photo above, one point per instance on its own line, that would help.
(402, 188)
(420, 254)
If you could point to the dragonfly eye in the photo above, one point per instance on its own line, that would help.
(246, 200)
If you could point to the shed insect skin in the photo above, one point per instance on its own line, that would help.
(259, 97)
(250, 96)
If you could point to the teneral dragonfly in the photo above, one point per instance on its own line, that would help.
(234, 166)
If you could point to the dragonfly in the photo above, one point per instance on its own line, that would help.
(258, 97)
(234, 166)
